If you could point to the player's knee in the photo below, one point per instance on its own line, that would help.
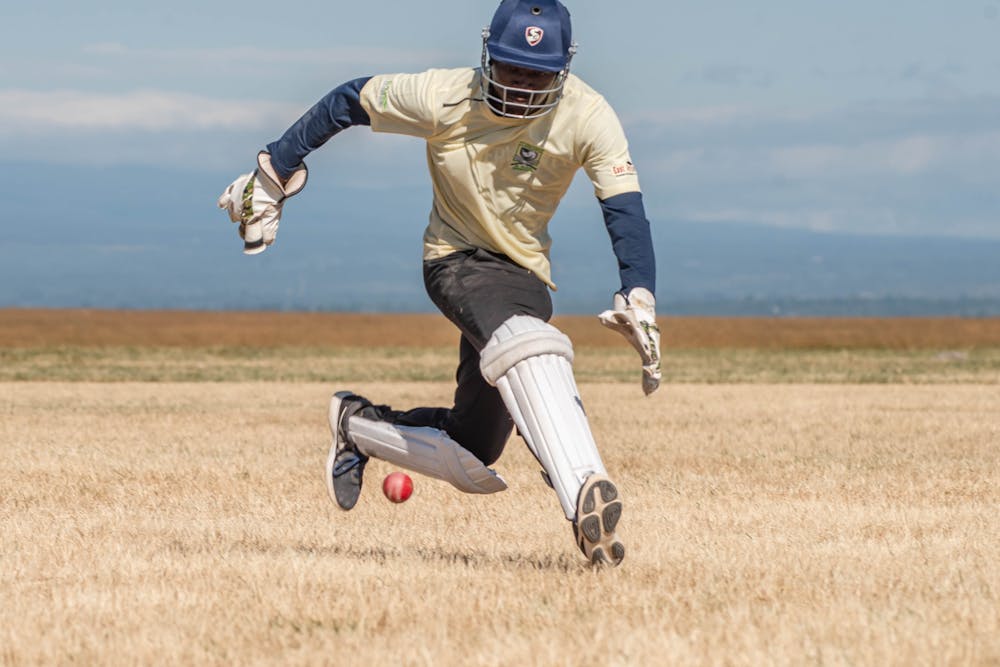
(494, 444)
(485, 441)
(518, 338)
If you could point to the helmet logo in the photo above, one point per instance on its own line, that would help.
(533, 34)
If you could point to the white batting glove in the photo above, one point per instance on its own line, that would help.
(634, 316)
(255, 201)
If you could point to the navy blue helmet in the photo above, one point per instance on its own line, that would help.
(531, 34)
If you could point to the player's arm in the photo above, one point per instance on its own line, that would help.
(634, 312)
(255, 200)
(338, 110)
(625, 218)
(616, 184)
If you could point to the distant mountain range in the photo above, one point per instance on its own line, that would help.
(148, 238)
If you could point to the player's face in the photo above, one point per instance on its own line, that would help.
(523, 78)
(514, 86)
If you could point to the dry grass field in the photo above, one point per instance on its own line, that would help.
(26, 327)
(165, 346)
(807, 516)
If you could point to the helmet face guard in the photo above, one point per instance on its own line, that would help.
(502, 99)
(530, 34)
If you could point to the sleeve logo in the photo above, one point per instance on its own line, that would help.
(533, 34)
(527, 157)
(383, 95)
(627, 169)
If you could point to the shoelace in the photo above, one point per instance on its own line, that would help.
(346, 465)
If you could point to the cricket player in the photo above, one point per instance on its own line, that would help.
(503, 143)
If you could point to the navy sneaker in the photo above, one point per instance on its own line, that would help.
(345, 466)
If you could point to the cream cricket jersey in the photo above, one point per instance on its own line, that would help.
(497, 181)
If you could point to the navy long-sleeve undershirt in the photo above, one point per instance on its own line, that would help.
(338, 110)
(625, 218)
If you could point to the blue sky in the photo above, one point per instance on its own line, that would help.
(874, 118)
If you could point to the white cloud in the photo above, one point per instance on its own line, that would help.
(821, 220)
(679, 118)
(927, 166)
(901, 156)
(731, 74)
(918, 153)
(748, 143)
(145, 110)
(249, 58)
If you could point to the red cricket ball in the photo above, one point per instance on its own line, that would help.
(397, 487)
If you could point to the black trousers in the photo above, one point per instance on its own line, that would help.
(478, 291)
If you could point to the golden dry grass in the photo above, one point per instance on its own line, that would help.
(174, 523)
(26, 327)
(591, 364)
(107, 345)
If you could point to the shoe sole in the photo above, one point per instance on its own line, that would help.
(334, 416)
(598, 511)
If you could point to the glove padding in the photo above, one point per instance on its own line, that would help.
(255, 201)
(634, 316)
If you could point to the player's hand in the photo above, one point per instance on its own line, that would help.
(634, 316)
(255, 201)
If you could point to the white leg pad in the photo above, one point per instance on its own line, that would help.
(426, 450)
(530, 363)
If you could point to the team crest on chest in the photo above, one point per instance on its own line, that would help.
(533, 34)
(526, 157)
